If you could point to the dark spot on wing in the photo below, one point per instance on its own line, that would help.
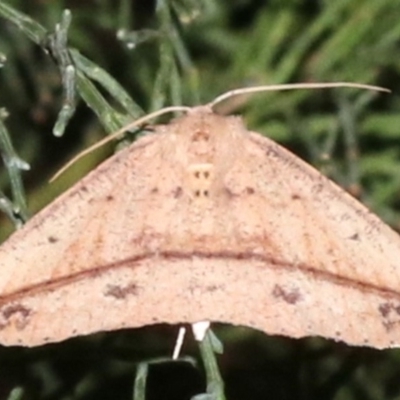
(212, 288)
(271, 152)
(177, 192)
(290, 296)
(109, 197)
(384, 309)
(249, 190)
(15, 309)
(296, 196)
(121, 292)
(16, 314)
(390, 313)
(52, 239)
(355, 237)
(229, 192)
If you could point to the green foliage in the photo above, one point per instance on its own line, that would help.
(116, 60)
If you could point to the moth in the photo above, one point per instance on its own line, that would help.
(202, 220)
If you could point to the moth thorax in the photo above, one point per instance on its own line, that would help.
(200, 178)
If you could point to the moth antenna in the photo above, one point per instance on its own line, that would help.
(113, 135)
(293, 86)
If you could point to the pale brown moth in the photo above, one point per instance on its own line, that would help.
(203, 220)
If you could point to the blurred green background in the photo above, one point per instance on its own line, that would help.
(188, 52)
